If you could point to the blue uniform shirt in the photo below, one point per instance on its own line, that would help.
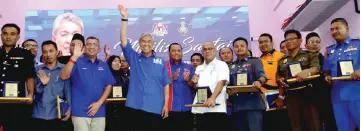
(182, 92)
(45, 95)
(348, 50)
(254, 69)
(88, 83)
(149, 77)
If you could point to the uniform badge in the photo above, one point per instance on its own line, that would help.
(303, 59)
(332, 51)
(246, 65)
(232, 67)
(160, 29)
(16, 65)
(284, 61)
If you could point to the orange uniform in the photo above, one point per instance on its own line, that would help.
(270, 64)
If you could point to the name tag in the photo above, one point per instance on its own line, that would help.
(16, 58)
(100, 68)
(84, 68)
(157, 61)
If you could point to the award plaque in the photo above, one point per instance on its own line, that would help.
(345, 68)
(294, 69)
(270, 96)
(203, 93)
(62, 107)
(10, 89)
(117, 92)
(242, 79)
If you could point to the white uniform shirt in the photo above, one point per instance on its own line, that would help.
(209, 75)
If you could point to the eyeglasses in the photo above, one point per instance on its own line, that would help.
(291, 39)
(91, 44)
(207, 49)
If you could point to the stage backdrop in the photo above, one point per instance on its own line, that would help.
(190, 27)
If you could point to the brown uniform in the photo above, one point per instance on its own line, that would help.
(299, 99)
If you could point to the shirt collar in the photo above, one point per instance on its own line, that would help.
(300, 51)
(210, 63)
(346, 41)
(58, 66)
(142, 55)
(173, 63)
(271, 52)
(244, 59)
(87, 59)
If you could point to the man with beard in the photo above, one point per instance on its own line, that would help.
(48, 87)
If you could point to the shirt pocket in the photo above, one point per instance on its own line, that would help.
(58, 88)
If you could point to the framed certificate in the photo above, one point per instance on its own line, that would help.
(345, 68)
(294, 69)
(242, 79)
(117, 92)
(10, 89)
(203, 93)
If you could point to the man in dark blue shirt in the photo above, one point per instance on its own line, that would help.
(180, 91)
(91, 84)
(147, 98)
(48, 87)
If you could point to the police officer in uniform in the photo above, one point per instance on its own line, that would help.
(345, 95)
(300, 103)
(248, 108)
(16, 65)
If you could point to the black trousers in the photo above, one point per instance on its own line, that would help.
(143, 121)
(116, 117)
(276, 120)
(212, 122)
(324, 106)
(178, 121)
(302, 111)
(15, 117)
(46, 125)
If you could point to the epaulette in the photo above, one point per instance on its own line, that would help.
(252, 57)
(330, 46)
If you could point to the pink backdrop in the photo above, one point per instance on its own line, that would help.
(263, 17)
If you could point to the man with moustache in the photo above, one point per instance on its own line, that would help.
(213, 74)
(270, 58)
(345, 95)
(17, 67)
(48, 87)
(180, 91)
(300, 96)
(226, 55)
(248, 107)
(91, 81)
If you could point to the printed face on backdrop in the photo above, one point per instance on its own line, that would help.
(63, 35)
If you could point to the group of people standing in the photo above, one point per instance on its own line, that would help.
(157, 91)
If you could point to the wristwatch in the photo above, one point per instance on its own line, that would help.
(124, 19)
(281, 97)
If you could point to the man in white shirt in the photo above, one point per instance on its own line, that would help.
(214, 74)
